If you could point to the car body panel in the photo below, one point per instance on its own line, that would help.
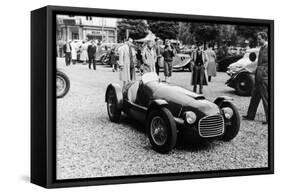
(242, 66)
(176, 99)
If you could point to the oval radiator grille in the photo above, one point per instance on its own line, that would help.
(211, 126)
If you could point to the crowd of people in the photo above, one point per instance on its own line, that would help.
(87, 52)
(203, 65)
(152, 55)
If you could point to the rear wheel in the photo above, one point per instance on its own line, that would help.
(232, 126)
(113, 111)
(162, 130)
(63, 84)
(244, 84)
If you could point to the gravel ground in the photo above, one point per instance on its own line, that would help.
(89, 145)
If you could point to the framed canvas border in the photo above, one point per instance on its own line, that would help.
(43, 97)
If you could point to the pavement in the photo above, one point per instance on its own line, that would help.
(89, 145)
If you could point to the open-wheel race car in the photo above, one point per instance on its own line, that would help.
(167, 110)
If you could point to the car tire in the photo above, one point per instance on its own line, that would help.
(231, 130)
(103, 60)
(114, 113)
(63, 78)
(244, 84)
(165, 139)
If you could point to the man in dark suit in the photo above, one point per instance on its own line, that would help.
(199, 64)
(92, 55)
(67, 52)
(260, 91)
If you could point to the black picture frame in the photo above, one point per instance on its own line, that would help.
(43, 97)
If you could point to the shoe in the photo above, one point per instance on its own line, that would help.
(245, 117)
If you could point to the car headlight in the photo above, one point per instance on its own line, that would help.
(190, 117)
(228, 112)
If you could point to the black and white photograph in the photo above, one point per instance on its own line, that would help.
(146, 96)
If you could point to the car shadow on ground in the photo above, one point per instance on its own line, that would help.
(184, 142)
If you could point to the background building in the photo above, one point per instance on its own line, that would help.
(86, 28)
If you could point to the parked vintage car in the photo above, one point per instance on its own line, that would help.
(224, 62)
(242, 73)
(103, 50)
(180, 62)
(167, 109)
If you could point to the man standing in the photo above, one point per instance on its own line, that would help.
(149, 57)
(158, 51)
(92, 55)
(168, 54)
(73, 52)
(127, 58)
(199, 62)
(212, 66)
(67, 53)
(260, 91)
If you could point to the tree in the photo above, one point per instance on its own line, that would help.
(164, 29)
(185, 36)
(204, 32)
(227, 34)
(137, 28)
(250, 33)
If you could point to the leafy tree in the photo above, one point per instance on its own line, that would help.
(250, 33)
(204, 32)
(164, 29)
(185, 36)
(227, 34)
(137, 28)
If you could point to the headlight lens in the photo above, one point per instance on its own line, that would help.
(190, 117)
(228, 112)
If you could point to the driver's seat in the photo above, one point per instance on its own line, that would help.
(132, 92)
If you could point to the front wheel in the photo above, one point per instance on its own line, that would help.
(162, 130)
(232, 126)
(63, 84)
(113, 111)
(244, 84)
(104, 60)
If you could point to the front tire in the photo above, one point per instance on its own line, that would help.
(162, 130)
(244, 85)
(114, 113)
(233, 126)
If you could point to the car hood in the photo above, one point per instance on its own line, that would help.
(242, 64)
(186, 100)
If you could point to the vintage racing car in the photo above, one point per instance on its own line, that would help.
(167, 110)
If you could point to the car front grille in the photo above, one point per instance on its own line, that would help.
(211, 126)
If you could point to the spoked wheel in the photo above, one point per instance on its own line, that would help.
(161, 129)
(113, 111)
(158, 131)
(63, 84)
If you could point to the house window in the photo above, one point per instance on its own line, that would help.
(88, 17)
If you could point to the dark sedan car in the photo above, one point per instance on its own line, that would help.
(167, 109)
(224, 62)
